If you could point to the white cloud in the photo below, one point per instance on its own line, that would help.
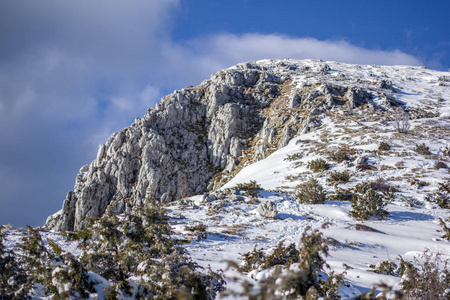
(207, 55)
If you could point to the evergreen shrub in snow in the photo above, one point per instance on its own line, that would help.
(340, 154)
(430, 280)
(15, 283)
(318, 164)
(383, 146)
(251, 188)
(367, 202)
(422, 149)
(310, 192)
(295, 273)
(135, 253)
(60, 273)
(440, 199)
(339, 177)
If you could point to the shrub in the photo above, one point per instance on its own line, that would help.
(318, 165)
(446, 152)
(340, 154)
(251, 188)
(445, 186)
(445, 229)
(365, 167)
(293, 157)
(401, 122)
(342, 195)
(139, 244)
(422, 149)
(383, 146)
(310, 192)
(440, 199)
(383, 186)
(15, 283)
(304, 281)
(281, 255)
(268, 209)
(340, 177)
(385, 267)
(367, 202)
(430, 280)
(198, 230)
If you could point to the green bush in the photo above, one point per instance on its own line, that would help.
(440, 199)
(367, 202)
(281, 255)
(383, 146)
(318, 164)
(385, 267)
(305, 282)
(139, 243)
(293, 157)
(15, 283)
(251, 188)
(445, 186)
(310, 192)
(445, 229)
(422, 149)
(340, 177)
(430, 280)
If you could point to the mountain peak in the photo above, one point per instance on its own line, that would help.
(196, 139)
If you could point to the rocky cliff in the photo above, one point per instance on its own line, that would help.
(197, 138)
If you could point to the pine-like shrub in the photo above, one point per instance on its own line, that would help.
(59, 272)
(310, 192)
(318, 165)
(383, 146)
(339, 177)
(15, 283)
(440, 199)
(367, 202)
(431, 280)
(422, 149)
(37, 259)
(140, 244)
(296, 274)
(304, 279)
(251, 188)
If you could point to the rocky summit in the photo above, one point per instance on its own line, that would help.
(198, 138)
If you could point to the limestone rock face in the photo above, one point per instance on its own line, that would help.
(196, 138)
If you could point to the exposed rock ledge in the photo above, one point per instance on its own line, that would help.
(195, 138)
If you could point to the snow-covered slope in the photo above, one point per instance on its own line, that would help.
(318, 109)
(413, 224)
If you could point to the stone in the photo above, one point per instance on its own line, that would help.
(267, 209)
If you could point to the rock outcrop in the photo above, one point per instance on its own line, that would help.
(196, 138)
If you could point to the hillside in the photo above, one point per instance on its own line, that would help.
(360, 153)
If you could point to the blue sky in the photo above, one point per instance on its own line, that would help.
(73, 72)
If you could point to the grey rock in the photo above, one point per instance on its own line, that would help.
(267, 209)
(361, 160)
(357, 96)
(189, 141)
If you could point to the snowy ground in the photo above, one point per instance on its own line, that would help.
(237, 227)
(234, 227)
